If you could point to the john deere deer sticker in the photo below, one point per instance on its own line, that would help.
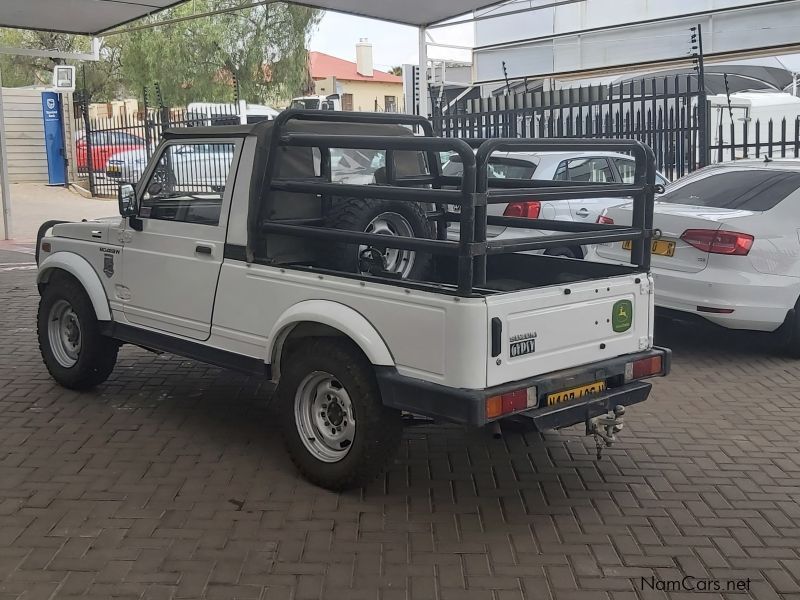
(622, 316)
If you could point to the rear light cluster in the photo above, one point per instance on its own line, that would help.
(511, 402)
(644, 367)
(525, 210)
(604, 220)
(719, 241)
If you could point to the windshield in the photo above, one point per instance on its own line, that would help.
(747, 189)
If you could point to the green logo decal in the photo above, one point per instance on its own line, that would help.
(622, 316)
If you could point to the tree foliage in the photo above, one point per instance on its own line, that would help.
(263, 48)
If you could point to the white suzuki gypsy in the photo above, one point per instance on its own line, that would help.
(350, 298)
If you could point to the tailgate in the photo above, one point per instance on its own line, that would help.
(558, 327)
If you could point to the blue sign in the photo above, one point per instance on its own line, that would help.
(54, 138)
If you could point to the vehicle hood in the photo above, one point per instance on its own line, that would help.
(96, 230)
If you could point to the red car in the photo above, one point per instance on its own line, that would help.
(104, 145)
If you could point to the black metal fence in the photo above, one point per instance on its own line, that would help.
(109, 151)
(742, 138)
(670, 114)
(665, 113)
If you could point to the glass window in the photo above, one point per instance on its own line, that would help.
(747, 189)
(500, 168)
(627, 169)
(585, 170)
(188, 184)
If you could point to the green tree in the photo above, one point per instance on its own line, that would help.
(102, 78)
(263, 48)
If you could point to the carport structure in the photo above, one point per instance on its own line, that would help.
(94, 17)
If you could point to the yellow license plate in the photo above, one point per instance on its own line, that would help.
(659, 247)
(578, 392)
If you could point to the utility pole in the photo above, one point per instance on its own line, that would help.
(5, 188)
(702, 97)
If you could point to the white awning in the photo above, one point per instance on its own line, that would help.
(92, 17)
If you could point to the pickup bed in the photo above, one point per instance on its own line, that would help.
(349, 298)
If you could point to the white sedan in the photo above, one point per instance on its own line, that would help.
(727, 247)
(587, 167)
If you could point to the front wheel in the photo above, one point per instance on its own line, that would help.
(74, 351)
(336, 429)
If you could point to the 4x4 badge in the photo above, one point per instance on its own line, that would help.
(622, 316)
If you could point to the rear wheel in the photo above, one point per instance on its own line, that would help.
(74, 351)
(337, 431)
(790, 331)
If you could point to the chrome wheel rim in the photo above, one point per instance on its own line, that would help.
(394, 224)
(324, 417)
(64, 333)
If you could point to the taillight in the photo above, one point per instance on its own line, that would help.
(525, 210)
(644, 367)
(604, 220)
(719, 242)
(510, 402)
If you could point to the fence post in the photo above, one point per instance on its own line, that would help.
(87, 127)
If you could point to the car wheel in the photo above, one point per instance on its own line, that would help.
(402, 219)
(336, 429)
(788, 334)
(74, 351)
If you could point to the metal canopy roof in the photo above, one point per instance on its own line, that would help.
(87, 17)
(92, 17)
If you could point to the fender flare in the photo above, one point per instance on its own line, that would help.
(80, 269)
(338, 316)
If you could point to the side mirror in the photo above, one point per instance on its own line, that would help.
(126, 197)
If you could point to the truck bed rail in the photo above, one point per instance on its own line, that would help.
(472, 191)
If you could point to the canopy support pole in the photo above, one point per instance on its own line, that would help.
(424, 109)
(5, 190)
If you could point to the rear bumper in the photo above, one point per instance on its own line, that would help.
(759, 301)
(469, 406)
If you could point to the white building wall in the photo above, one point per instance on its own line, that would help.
(578, 45)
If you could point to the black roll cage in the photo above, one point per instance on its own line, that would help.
(474, 189)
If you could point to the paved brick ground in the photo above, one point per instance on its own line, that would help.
(170, 482)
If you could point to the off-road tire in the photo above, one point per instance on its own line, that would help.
(378, 428)
(355, 214)
(98, 353)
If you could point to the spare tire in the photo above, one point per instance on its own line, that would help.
(384, 217)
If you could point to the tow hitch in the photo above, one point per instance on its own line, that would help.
(605, 427)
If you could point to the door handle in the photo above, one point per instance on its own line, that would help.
(582, 212)
(203, 249)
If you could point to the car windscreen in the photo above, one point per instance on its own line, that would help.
(501, 168)
(746, 189)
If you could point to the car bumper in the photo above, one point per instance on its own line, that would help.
(469, 406)
(759, 302)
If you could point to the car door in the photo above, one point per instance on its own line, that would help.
(170, 267)
(587, 169)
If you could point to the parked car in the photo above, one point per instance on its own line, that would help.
(241, 280)
(104, 145)
(727, 246)
(595, 167)
(204, 163)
